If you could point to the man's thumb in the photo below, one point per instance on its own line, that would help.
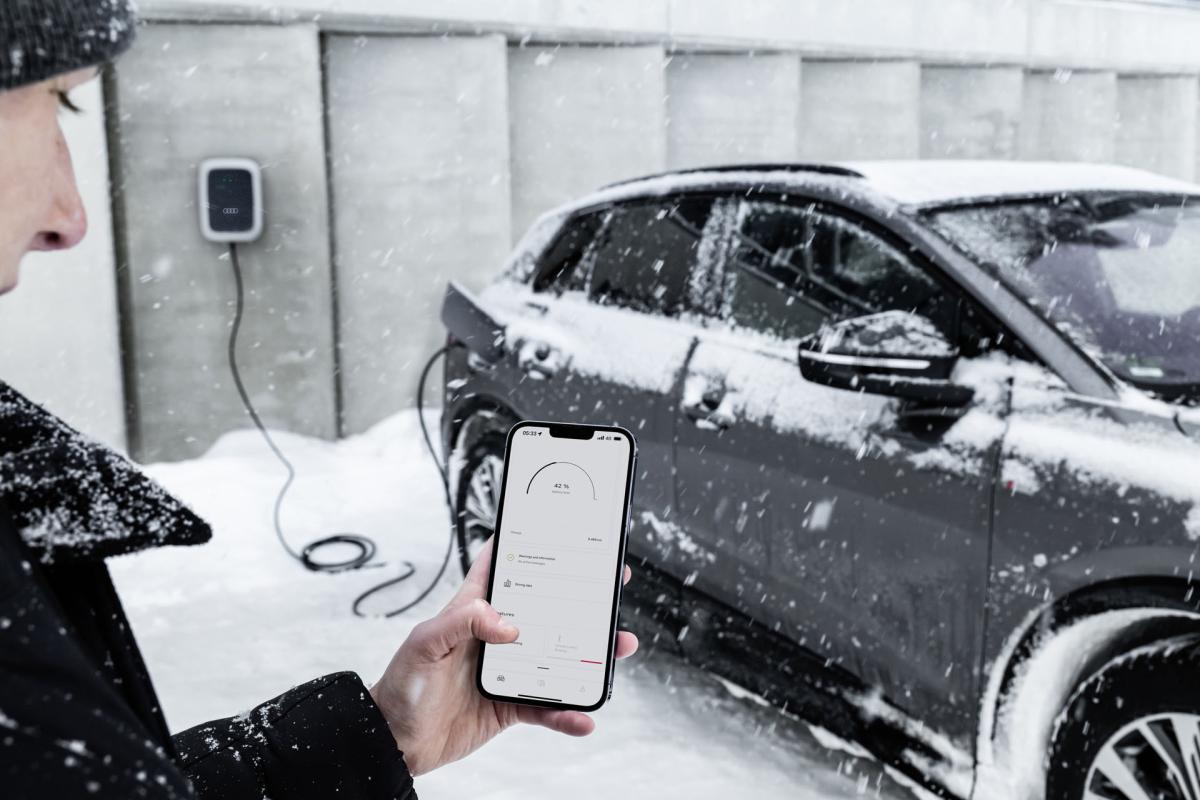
(487, 624)
(474, 620)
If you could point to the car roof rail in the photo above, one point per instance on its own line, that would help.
(789, 166)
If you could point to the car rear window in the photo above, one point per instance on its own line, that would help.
(644, 257)
(557, 268)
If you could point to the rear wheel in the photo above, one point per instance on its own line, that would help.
(478, 496)
(1132, 730)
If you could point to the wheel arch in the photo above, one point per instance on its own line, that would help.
(470, 418)
(475, 409)
(1165, 591)
(1174, 596)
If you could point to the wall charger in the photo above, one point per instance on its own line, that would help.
(230, 199)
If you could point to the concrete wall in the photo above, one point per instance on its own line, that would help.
(1156, 123)
(188, 92)
(1069, 115)
(970, 111)
(581, 117)
(59, 327)
(443, 148)
(418, 156)
(859, 109)
(1091, 34)
(726, 108)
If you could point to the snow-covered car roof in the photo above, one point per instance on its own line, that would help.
(908, 183)
(938, 182)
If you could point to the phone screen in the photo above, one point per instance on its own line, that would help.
(557, 563)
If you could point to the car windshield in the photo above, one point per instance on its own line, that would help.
(1118, 273)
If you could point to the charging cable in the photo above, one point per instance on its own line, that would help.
(366, 545)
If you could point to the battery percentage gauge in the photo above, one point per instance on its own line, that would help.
(562, 477)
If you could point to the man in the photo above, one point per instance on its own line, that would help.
(78, 713)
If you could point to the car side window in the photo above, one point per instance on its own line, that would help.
(853, 265)
(559, 266)
(797, 268)
(769, 254)
(644, 257)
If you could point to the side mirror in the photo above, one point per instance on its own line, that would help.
(893, 353)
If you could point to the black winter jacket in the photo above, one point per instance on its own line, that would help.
(78, 714)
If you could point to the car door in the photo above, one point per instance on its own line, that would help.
(760, 453)
(607, 335)
(853, 531)
(924, 486)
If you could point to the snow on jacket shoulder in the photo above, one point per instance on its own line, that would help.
(79, 717)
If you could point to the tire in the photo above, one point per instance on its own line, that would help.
(477, 495)
(1126, 726)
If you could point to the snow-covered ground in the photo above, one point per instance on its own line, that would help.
(236, 621)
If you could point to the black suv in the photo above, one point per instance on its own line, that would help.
(933, 423)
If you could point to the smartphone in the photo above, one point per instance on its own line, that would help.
(557, 563)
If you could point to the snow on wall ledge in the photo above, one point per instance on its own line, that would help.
(1062, 33)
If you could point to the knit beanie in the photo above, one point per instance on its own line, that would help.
(43, 38)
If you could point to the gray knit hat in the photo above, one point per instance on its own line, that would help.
(43, 38)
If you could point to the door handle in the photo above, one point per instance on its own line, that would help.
(541, 309)
(706, 412)
(539, 360)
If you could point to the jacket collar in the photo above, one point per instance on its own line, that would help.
(73, 499)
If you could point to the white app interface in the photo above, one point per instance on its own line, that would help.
(556, 564)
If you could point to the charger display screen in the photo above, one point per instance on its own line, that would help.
(230, 200)
(557, 560)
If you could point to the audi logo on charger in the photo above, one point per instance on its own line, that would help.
(229, 211)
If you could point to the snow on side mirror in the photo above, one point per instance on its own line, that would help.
(893, 353)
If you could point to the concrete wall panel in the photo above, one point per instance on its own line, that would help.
(724, 109)
(59, 327)
(1099, 34)
(1069, 116)
(970, 112)
(183, 93)
(418, 138)
(978, 29)
(1156, 123)
(581, 117)
(859, 109)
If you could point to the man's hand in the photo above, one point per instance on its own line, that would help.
(428, 695)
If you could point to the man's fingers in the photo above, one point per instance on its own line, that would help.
(572, 723)
(459, 624)
(628, 575)
(627, 644)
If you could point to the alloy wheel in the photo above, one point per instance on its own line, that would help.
(482, 500)
(1156, 757)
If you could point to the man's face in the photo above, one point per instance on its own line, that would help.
(40, 207)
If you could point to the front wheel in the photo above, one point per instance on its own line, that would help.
(478, 496)
(1132, 730)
